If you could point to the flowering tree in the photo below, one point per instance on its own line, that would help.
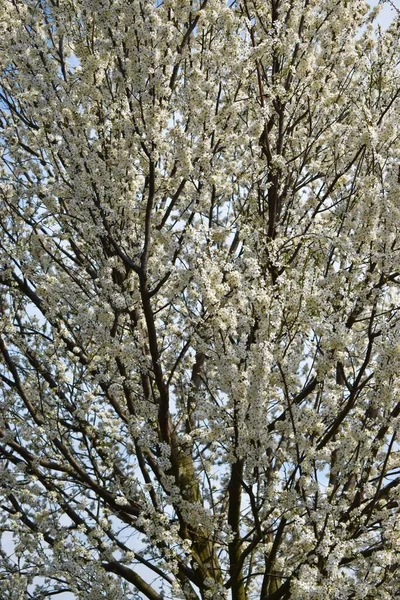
(199, 287)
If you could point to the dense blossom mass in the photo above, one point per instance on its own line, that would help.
(199, 293)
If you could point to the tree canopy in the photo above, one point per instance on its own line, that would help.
(199, 288)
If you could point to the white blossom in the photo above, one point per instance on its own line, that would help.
(199, 300)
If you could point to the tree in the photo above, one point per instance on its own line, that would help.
(200, 341)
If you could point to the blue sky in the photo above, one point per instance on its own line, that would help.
(387, 13)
